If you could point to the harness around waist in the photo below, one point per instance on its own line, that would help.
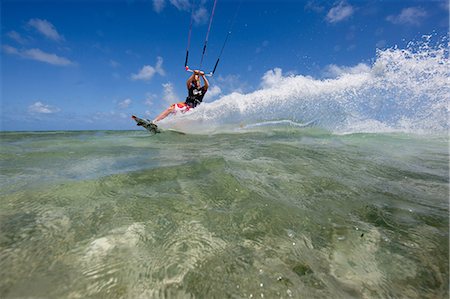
(192, 102)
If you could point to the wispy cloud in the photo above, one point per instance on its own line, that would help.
(169, 94)
(340, 12)
(213, 92)
(113, 63)
(149, 98)
(108, 115)
(38, 55)
(231, 83)
(158, 5)
(381, 43)
(50, 58)
(445, 5)
(132, 53)
(10, 50)
(46, 28)
(41, 108)
(314, 5)
(272, 78)
(14, 35)
(184, 5)
(147, 72)
(408, 16)
(181, 4)
(264, 44)
(200, 14)
(125, 103)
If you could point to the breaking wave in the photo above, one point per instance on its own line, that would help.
(404, 90)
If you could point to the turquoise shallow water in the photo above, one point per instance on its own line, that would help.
(281, 213)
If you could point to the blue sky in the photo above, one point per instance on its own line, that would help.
(76, 65)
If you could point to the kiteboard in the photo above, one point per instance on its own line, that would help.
(147, 124)
(151, 127)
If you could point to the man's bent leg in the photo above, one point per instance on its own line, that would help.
(165, 113)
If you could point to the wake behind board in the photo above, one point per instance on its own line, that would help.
(175, 131)
(151, 127)
(279, 123)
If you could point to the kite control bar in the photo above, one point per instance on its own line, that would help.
(206, 74)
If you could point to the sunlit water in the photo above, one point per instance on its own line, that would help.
(307, 188)
(285, 213)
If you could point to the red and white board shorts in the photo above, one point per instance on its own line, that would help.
(180, 107)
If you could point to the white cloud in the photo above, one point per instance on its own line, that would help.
(125, 103)
(16, 37)
(41, 108)
(158, 67)
(147, 72)
(214, 91)
(339, 12)
(39, 55)
(50, 58)
(335, 71)
(272, 78)
(408, 16)
(158, 5)
(46, 28)
(169, 93)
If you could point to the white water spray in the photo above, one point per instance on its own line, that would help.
(405, 90)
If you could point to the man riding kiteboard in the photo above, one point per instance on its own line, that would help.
(196, 92)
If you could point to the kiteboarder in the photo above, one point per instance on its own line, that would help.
(196, 92)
